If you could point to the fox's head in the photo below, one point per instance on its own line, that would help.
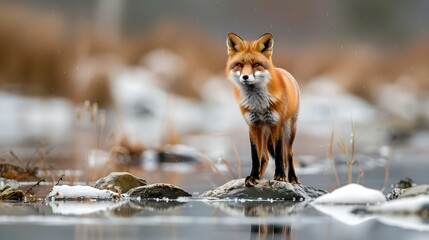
(249, 62)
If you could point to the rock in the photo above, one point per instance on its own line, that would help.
(8, 193)
(120, 182)
(394, 194)
(415, 191)
(405, 183)
(158, 190)
(265, 189)
(400, 187)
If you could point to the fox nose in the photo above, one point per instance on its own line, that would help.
(245, 77)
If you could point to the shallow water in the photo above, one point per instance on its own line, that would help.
(193, 220)
(236, 219)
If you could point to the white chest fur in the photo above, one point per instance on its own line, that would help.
(255, 98)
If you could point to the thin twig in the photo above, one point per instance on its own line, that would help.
(17, 158)
(61, 179)
(37, 184)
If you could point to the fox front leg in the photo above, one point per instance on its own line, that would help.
(253, 179)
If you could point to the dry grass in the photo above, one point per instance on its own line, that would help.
(331, 151)
(40, 54)
(386, 175)
(349, 151)
(26, 169)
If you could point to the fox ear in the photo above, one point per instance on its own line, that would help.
(265, 44)
(234, 43)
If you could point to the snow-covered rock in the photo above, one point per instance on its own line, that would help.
(352, 194)
(80, 192)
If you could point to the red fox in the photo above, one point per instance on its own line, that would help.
(269, 101)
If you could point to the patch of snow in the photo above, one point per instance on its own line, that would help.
(184, 150)
(150, 160)
(183, 168)
(13, 183)
(165, 63)
(30, 118)
(79, 192)
(400, 100)
(352, 194)
(97, 158)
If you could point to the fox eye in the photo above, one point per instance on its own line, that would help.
(256, 65)
(239, 65)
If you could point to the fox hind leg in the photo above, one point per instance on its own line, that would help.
(265, 148)
(290, 137)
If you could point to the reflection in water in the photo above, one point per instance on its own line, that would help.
(83, 232)
(82, 207)
(251, 208)
(127, 208)
(263, 209)
(133, 207)
(263, 231)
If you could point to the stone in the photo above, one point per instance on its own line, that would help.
(158, 191)
(405, 183)
(8, 193)
(406, 188)
(119, 182)
(415, 191)
(265, 189)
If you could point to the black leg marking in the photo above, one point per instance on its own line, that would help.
(291, 171)
(279, 174)
(271, 149)
(254, 174)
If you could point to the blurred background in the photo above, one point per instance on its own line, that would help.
(98, 86)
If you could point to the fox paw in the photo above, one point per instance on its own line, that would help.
(251, 181)
(294, 180)
(280, 177)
